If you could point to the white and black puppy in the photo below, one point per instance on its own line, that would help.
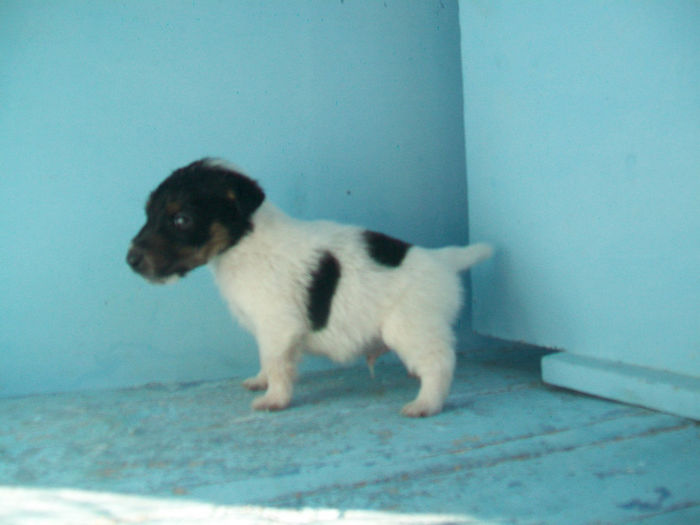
(298, 286)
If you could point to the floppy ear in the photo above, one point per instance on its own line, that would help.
(216, 178)
(245, 193)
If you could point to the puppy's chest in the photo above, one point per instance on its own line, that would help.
(257, 287)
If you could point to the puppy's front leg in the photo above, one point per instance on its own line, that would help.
(258, 382)
(278, 356)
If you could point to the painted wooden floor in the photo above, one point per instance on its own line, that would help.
(507, 449)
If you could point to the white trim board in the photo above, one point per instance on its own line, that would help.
(660, 390)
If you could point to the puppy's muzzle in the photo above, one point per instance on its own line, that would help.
(136, 258)
(146, 264)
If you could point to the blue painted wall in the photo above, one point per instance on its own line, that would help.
(583, 166)
(345, 110)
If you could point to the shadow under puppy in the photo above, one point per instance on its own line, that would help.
(300, 286)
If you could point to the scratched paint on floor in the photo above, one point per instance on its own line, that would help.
(507, 449)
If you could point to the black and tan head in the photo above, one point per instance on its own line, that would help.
(198, 212)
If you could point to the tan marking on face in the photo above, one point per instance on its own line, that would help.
(218, 241)
(230, 195)
(173, 207)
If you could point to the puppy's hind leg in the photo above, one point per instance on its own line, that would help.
(427, 351)
(278, 359)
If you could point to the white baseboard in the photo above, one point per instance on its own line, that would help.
(660, 390)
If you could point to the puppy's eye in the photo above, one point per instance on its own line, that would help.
(182, 221)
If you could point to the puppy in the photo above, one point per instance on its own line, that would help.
(319, 287)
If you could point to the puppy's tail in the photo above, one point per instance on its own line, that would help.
(462, 258)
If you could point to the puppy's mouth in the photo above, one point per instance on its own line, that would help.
(147, 266)
(170, 279)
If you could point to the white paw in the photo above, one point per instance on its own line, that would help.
(255, 383)
(270, 402)
(420, 408)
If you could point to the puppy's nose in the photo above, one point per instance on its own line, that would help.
(134, 258)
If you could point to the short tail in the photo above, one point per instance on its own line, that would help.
(464, 257)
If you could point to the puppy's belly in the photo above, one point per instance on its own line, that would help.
(339, 346)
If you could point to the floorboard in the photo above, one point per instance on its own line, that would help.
(507, 449)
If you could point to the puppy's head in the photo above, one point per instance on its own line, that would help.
(195, 214)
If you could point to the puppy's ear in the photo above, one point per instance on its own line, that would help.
(245, 193)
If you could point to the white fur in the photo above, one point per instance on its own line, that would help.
(265, 277)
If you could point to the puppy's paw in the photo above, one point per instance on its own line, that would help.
(255, 383)
(270, 402)
(420, 408)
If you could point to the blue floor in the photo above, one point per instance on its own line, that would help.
(507, 449)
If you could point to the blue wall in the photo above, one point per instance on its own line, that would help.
(346, 110)
(583, 165)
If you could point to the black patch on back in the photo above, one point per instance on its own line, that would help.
(324, 281)
(385, 250)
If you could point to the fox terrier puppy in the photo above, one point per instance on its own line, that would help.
(307, 286)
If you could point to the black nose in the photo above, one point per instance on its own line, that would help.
(134, 258)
